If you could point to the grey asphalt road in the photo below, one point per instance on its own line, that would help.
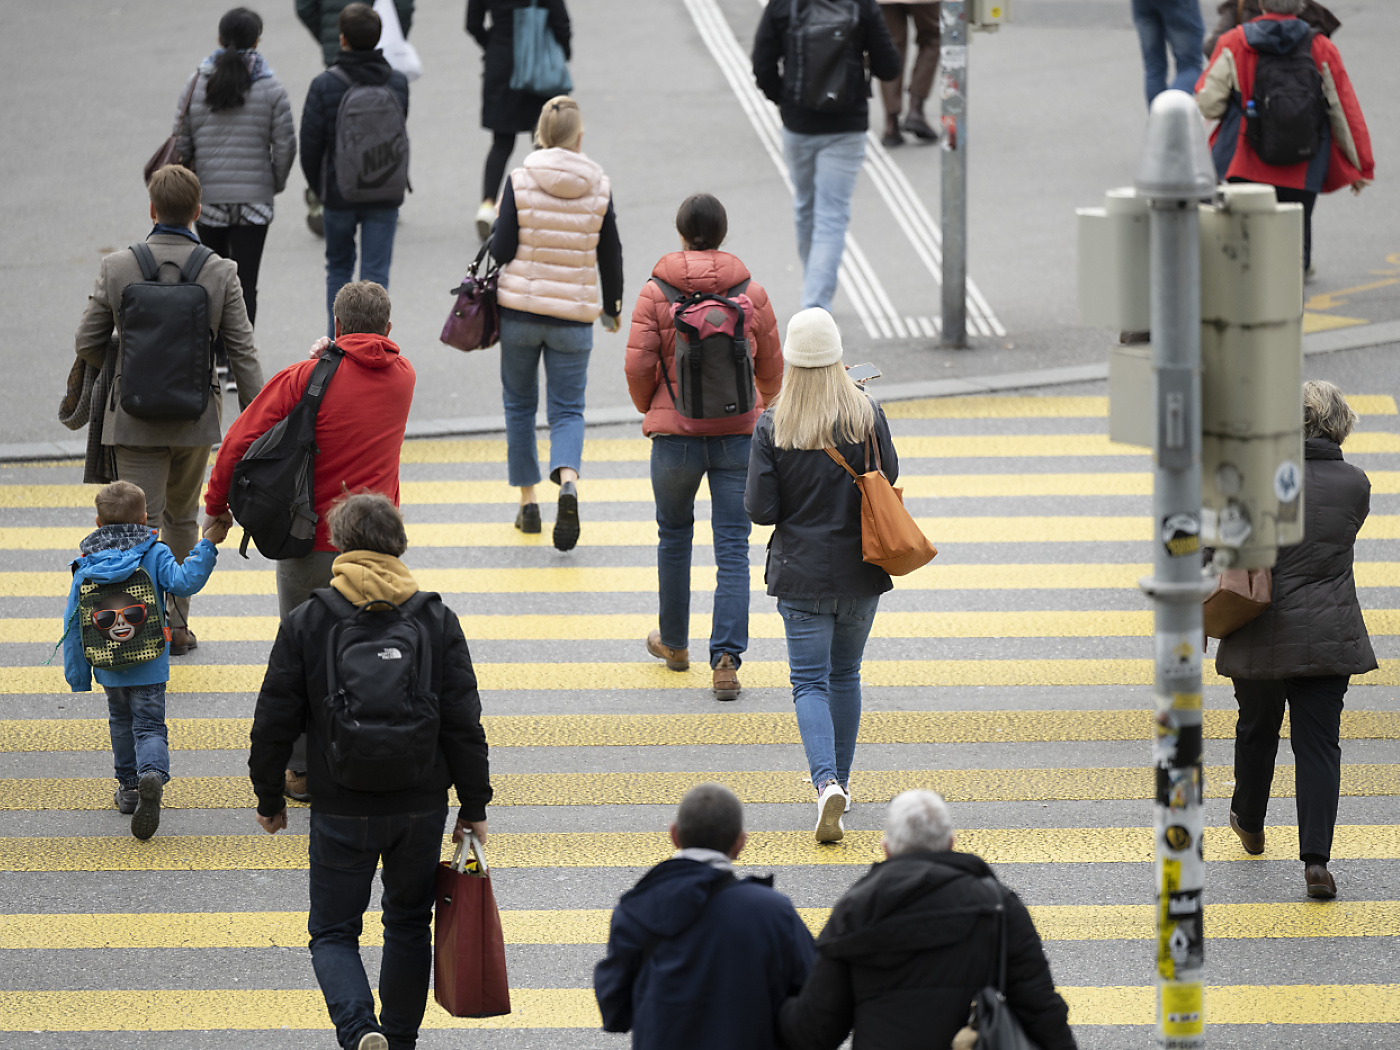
(1056, 118)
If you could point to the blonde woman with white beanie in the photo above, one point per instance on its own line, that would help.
(827, 595)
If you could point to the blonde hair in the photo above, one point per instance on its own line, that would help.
(120, 503)
(560, 124)
(1326, 413)
(818, 407)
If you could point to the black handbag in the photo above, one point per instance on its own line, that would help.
(992, 1018)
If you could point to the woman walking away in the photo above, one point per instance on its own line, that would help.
(237, 135)
(826, 594)
(1304, 648)
(557, 229)
(685, 449)
(505, 113)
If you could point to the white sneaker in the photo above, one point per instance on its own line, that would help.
(485, 219)
(831, 803)
(372, 1041)
(846, 790)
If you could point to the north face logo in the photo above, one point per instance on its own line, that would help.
(390, 654)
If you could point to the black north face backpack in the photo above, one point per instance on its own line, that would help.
(1285, 119)
(381, 714)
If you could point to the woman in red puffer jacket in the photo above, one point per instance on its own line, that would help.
(684, 450)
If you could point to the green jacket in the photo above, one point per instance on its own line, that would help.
(322, 17)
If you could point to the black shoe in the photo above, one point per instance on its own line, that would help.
(566, 520)
(919, 127)
(891, 137)
(126, 799)
(528, 518)
(314, 209)
(147, 816)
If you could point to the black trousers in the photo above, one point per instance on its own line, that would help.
(502, 142)
(244, 245)
(1307, 198)
(1315, 714)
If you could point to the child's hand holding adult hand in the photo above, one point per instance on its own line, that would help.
(216, 529)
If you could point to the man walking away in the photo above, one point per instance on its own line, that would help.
(698, 958)
(354, 153)
(1177, 23)
(359, 449)
(164, 456)
(810, 57)
(910, 945)
(1289, 117)
(402, 739)
(924, 14)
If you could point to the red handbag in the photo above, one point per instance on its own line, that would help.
(474, 323)
(469, 949)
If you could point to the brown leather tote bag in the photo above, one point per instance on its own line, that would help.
(1240, 595)
(889, 536)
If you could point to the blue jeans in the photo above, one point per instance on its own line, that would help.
(823, 170)
(825, 642)
(1174, 22)
(565, 349)
(344, 852)
(136, 720)
(677, 465)
(377, 228)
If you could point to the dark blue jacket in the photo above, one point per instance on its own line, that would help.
(318, 118)
(699, 959)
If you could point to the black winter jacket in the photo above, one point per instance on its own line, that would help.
(504, 110)
(292, 701)
(322, 17)
(873, 54)
(1313, 626)
(815, 550)
(318, 119)
(906, 950)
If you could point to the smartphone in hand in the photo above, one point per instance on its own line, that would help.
(863, 372)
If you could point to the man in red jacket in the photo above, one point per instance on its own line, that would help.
(1226, 92)
(359, 432)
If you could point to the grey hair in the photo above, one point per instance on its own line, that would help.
(918, 821)
(362, 306)
(711, 817)
(1326, 413)
(367, 521)
(1283, 7)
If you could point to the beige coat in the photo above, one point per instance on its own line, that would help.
(561, 198)
(227, 317)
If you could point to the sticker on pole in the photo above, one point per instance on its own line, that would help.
(1181, 1012)
(1181, 534)
(1234, 526)
(1178, 656)
(1288, 481)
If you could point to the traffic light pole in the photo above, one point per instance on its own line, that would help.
(953, 116)
(1172, 180)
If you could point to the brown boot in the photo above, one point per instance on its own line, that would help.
(1320, 882)
(182, 640)
(676, 659)
(917, 124)
(726, 678)
(1253, 841)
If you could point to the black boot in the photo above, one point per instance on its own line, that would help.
(892, 137)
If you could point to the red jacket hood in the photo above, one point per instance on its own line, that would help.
(372, 351)
(711, 271)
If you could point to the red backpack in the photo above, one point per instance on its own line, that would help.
(714, 365)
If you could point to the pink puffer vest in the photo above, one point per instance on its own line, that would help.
(560, 198)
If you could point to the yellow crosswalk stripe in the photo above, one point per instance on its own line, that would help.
(740, 727)
(666, 789)
(285, 929)
(996, 407)
(643, 849)
(758, 674)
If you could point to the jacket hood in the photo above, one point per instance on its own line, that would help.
(372, 351)
(563, 173)
(1321, 448)
(368, 576)
(113, 552)
(365, 67)
(710, 271)
(670, 896)
(891, 911)
(1275, 34)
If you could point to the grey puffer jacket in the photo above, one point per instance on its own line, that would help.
(241, 155)
(1314, 625)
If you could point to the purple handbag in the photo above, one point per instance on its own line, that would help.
(473, 323)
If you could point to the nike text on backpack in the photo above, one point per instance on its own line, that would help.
(166, 367)
(382, 717)
(889, 536)
(272, 494)
(371, 144)
(1284, 121)
(121, 624)
(714, 367)
(817, 66)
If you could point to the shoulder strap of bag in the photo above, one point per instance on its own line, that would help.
(195, 263)
(326, 365)
(738, 289)
(340, 74)
(150, 269)
(185, 106)
(999, 910)
(842, 461)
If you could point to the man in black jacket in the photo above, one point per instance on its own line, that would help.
(353, 825)
(382, 168)
(909, 946)
(824, 120)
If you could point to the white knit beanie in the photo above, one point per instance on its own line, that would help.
(812, 339)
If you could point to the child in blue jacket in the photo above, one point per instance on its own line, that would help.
(128, 640)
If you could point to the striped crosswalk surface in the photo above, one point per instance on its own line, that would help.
(1012, 674)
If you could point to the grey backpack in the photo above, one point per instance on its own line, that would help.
(371, 144)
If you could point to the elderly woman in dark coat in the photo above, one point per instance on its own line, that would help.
(505, 113)
(1304, 648)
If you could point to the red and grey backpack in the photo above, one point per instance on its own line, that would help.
(714, 365)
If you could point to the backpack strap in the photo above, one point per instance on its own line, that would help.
(739, 289)
(340, 74)
(195, 263)
(150, 269)
(670, 291)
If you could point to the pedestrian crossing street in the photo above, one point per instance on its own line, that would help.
(1011, 674)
